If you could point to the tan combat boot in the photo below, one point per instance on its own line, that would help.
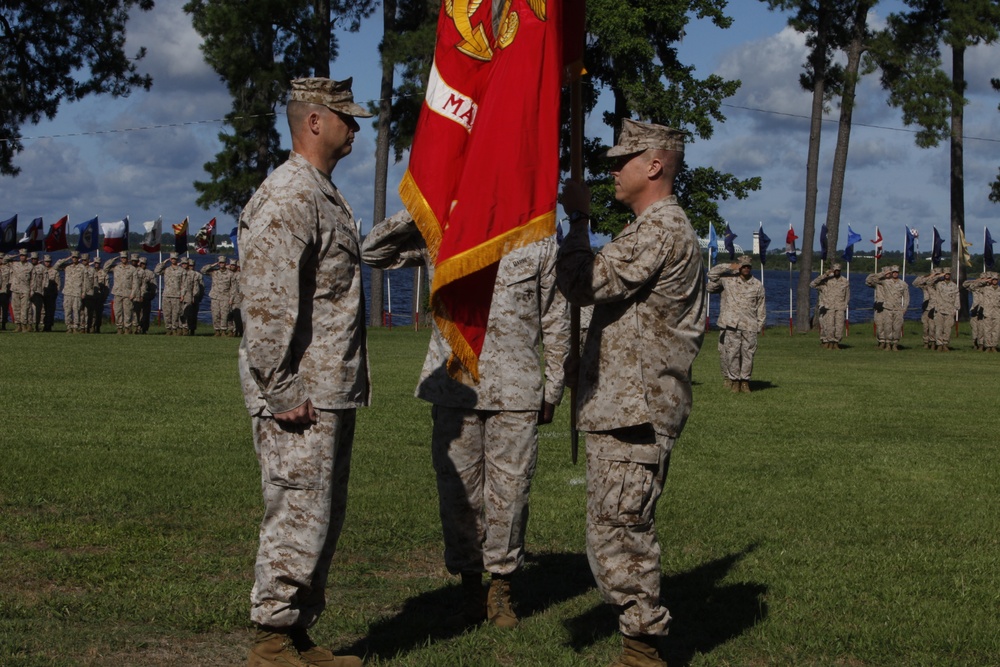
(744, 386)
(317, 655)
(640, 652)
(734, 386)
(274, 649)
(498, 608)
(727, 384)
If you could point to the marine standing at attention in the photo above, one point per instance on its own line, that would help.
(647, 287)
(304, 368)
(742, 315)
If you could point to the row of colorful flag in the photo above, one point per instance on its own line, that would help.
(115, 236)
(762, 242)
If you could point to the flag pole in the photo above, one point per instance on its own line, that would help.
(388, 284)
(791, 311)
(576, 174)
(416, 301)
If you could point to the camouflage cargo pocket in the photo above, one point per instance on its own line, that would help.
(622, 485)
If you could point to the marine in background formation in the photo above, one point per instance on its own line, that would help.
(173, 289)
(986, 295)
(834, 296)
(122, 287)
(220, 294)
(892, 298)
(924, 284)
(944, 297)
(742, 315)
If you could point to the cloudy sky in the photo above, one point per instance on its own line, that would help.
(139, 156)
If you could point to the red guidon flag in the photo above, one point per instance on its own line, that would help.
(484, 165)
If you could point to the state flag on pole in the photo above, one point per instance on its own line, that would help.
(88, 235)
(484, 166)
(56, 238)
(181, 237)
(963, 248)
(233, 235)
(154, 234)
(713, 244)
(205, 238)
(790, 249)
(878, 243)
(32, 239)
(115, 235)
(988, 248)
(8, 234)
(727, 240)
(936, 253)
(852, 238)
(822, 242)
(911, 237)
(763, 243)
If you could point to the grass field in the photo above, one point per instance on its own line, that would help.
(845, 513)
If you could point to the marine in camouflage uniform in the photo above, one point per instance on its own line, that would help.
(976, 316)
(173, 287)
(220, 294)
(20, 290)
(50, 293)
(121, 289)
(304, 368)
(485, 439)
(195, 290)
(39, 277)
(924, 284)
(100, 289)
(944, 305)
(987, 290)
(73, 272)
(834, 296)
(148, 290)
(742, 314)
(648, 292)
(892, 298)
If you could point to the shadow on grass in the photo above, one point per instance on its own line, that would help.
(761, 385)
(705, 613)
(546, 580)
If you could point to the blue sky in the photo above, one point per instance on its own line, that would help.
(138, 156)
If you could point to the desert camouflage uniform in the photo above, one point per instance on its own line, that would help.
(100, 289)
(195, 290)
(39, 277)
(924, 284)
(944, 303)
(976, 316)
(648, 291)
(148, 289)
(892, 298)
(121, 290)
(173, 284)
(72, 292)
(220, 294)
(485, 438)
(50, 294)
(304, 340)
(834, 295)
(989, 303)
(20, 290)
(742, 314)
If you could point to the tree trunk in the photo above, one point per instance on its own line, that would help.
(802, 320)
(377, 315)
(321, 38)
(958, 174)
(854, 51)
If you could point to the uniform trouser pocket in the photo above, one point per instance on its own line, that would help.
(626, 470)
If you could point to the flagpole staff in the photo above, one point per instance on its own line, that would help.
(791, 312)
(576, 174)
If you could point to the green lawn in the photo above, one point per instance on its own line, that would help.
(845, 513)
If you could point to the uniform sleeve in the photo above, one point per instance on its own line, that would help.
(715, 276)
(395, 243)
(273, 255)
(818, 281)
(872, 280)
(761, 310)
(616, 272)
(555, 329)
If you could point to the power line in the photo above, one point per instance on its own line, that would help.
(853, 123)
